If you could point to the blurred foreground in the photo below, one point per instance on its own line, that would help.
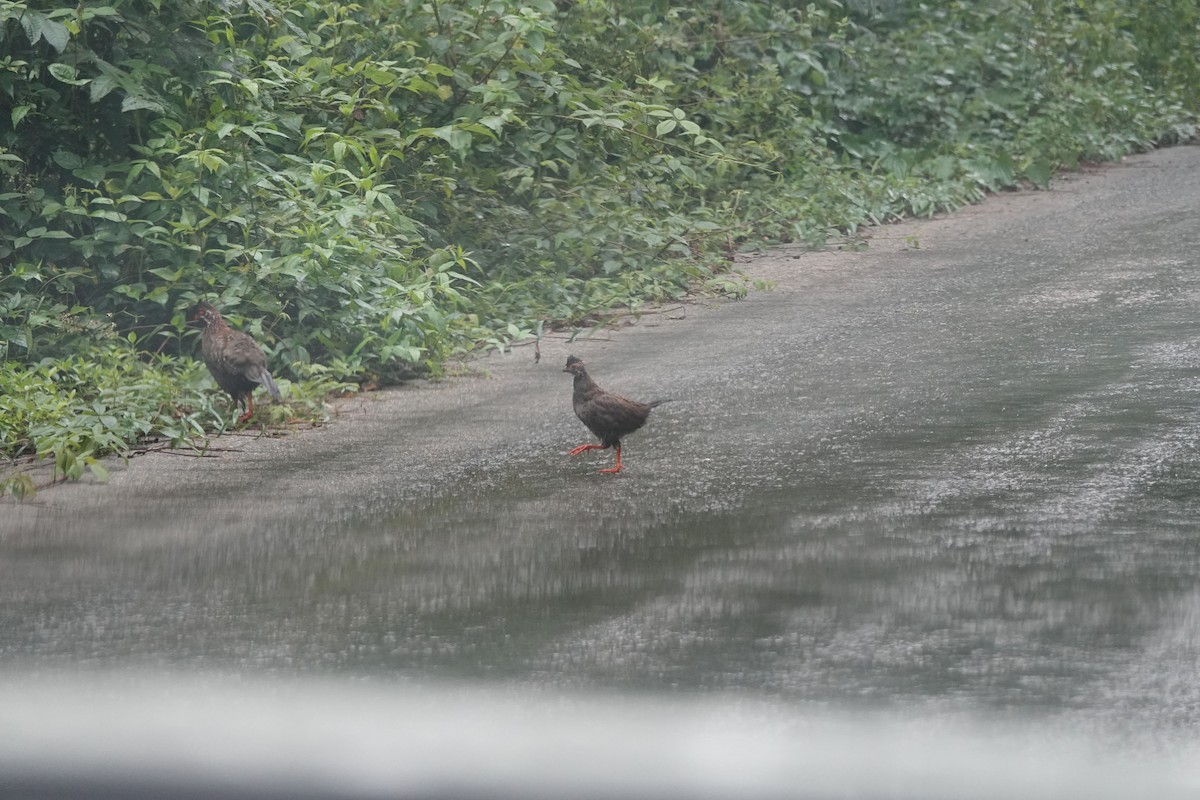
(159, 736)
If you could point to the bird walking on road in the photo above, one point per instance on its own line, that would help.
(235, 360)
(609, 416)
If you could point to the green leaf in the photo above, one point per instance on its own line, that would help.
(381, 77)
(1039, 172)
(93, 173)
(136, 102)
(102, 85)
(56, 34)
(39, 26)
(67, 74)
(67, 160)
(18, 114)
(456, 137)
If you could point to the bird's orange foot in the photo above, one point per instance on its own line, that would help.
(611, 470)
(583, 448)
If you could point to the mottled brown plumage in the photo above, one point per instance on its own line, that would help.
(609, 416)
(235, 360)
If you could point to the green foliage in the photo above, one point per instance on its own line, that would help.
(74, 410)
(370, 188)
(987, 95)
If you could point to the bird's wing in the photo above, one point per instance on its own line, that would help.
(243, 354)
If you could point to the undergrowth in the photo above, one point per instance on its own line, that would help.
(75, 410)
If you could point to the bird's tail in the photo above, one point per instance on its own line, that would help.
(265, 380)
(654, 403)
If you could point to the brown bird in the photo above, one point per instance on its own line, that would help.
(235, 360)
(607, 415)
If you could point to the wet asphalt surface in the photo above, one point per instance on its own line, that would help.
(958, 477)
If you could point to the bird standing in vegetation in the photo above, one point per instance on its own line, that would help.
(607, 415)
(235, 360)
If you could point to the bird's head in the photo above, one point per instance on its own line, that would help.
(575, 366)
(206, 314)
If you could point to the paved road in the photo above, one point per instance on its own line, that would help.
(959, 477)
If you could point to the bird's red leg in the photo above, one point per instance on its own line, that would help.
(583, 448)
(249, 410)
(617, 468)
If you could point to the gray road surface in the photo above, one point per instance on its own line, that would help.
(959, 477)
